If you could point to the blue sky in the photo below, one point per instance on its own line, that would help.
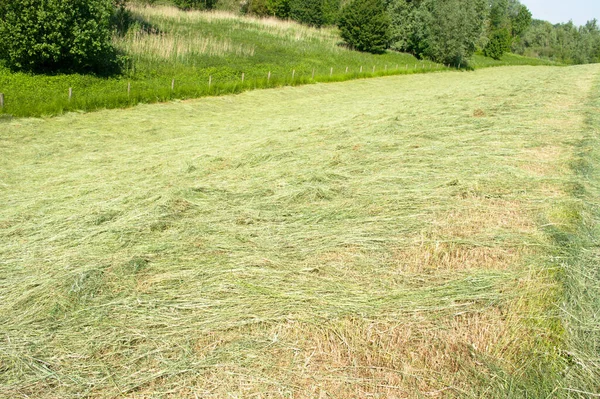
(555, 11)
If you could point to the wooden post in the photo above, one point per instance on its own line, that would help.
(361, 69)
(373, 68)
(313, 74)
(172, 84)
(128, 88)
(397, 66)
(293, 74)
(1, 100)
(346, 69)
(407, 67)
(459, 65)
(70, 93)
(269, 77)
(331, 72)
(385, 68)
(209, 81)
(243, 77)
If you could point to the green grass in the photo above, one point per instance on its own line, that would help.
(404, 236)
(191, 48)
(478, 60)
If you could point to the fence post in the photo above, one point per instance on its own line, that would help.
(373, 68)
(128, 88)
(331, 72)
(209, 81)
(1, 100)
(346, 69)
(269, 77)
(243, 77)
(293, 74)
(361, 69)
(313, 74)
(172, 84)
(70, 93)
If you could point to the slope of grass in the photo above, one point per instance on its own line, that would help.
(174, 54)
(401, 236)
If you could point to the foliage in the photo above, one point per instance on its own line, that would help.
(521, 21)
(499, 43)
(309, 12)
(364, 25)
(195, 4)
(444, 31)
(51, 35)
(564, 43)
(276, 8)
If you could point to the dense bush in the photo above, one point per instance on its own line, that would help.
(308, 12)
(365, 25)
(51, 35)
(195, 4)
(498, 44)
(275, 8)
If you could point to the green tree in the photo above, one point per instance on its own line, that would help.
(521, 21)
(499, 30)
(456, 25)
(50, 35)
(365, 25)
(443, 30)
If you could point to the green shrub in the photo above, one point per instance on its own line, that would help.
(499, 44)
(365, 25)
(57, 35)
(331, 11)
(195, 4)
(308, 12)
(275, 8)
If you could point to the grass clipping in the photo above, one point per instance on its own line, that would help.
(389, 242)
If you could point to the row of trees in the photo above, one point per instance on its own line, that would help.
(565, 43)
(76, 34)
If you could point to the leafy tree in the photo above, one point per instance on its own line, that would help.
(364, 25)
(443, 30)
(50, 35)
(521, 21)
(308, 12)
(499, 30)
(456, 25)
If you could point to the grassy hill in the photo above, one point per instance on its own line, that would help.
(407, 236)
(172, 54)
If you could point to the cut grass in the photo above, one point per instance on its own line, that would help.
(174, 54)
(398, 237)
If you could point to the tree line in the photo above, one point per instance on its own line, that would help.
(46, 35)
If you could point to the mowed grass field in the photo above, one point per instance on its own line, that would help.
(408, 236)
